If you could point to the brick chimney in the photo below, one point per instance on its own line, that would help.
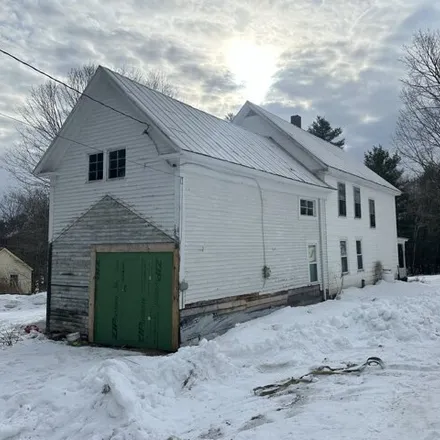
(296, 120)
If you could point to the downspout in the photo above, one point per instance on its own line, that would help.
(260, 191)
(321, 250)
(49, 287)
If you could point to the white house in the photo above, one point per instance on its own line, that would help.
(15, 274)
(361, 227)
(168, 224)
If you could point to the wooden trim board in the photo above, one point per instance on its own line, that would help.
(135, 247)
(92, 286)
(175, 305)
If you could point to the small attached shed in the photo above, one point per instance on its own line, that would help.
(15, 274)
(114, 277)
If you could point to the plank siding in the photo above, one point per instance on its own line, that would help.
(149, 186)
(223, 244)
(209, 319)
(108, 222)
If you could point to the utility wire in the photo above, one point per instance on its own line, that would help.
(79, 143)
(41, 72)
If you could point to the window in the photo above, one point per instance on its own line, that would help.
(307, 207)
(342, 200)
(360, 260)
(313, 263)
(344, 256)
(13, 280)
(116, 164)
(96, 166)
(357, 202)
(372, 213)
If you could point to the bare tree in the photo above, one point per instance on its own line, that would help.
(229, 117)
(24, 217)
(45, 110)
(418, 127)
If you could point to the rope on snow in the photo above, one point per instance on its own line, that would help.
(272, 389)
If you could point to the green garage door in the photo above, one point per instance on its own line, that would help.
(133, 299)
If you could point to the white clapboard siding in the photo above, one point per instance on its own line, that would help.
(223, 245)
(379, 244)
(149, 185)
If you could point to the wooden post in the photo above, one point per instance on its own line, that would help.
(175, 304)
(92, 287)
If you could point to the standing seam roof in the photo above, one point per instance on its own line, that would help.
(328, 153)
(196, 131)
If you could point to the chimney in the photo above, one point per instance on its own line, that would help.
(296, 120)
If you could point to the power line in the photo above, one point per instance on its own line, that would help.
(79, 143)
(41, 72)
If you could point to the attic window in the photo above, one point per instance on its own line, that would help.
(96, 166)
(116, 164)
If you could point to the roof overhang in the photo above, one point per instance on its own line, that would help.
(13, 256)
(335, 172)
(210, 165)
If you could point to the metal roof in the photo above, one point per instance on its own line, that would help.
(196, 131)
(329, 154)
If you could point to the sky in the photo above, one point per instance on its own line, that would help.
(334, 58)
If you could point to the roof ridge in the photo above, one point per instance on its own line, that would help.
(295, 127)
(336, 153)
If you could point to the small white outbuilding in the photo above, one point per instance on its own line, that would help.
(15, 274)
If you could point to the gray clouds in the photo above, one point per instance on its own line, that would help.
(336, 58)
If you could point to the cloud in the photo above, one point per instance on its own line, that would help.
(337, 58)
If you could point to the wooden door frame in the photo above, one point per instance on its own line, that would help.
(127, 248)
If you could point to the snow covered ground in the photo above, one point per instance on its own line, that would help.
(18, 310)
(49, 390)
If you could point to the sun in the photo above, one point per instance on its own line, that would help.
(251, 64)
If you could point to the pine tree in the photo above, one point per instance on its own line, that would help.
(322, 129)
(384, 164)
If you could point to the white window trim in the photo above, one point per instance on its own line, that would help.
(318, 268)
(369, 213)
(107, 164)
(315, 206)
(354, 202)
(104, 161)
(347, 256)
(346, 204)
(362, 254)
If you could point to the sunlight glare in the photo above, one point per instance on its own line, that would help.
(253, 65)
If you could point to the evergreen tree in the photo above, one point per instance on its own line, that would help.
(384, 164)
(322, 129)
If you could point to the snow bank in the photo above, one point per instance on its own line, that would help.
(22, 309)
(370, 316)
(205, 391)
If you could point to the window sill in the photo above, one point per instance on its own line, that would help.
(357, 218)
(342, 216)
(308, 217)
(112, 179)
(361, 270)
